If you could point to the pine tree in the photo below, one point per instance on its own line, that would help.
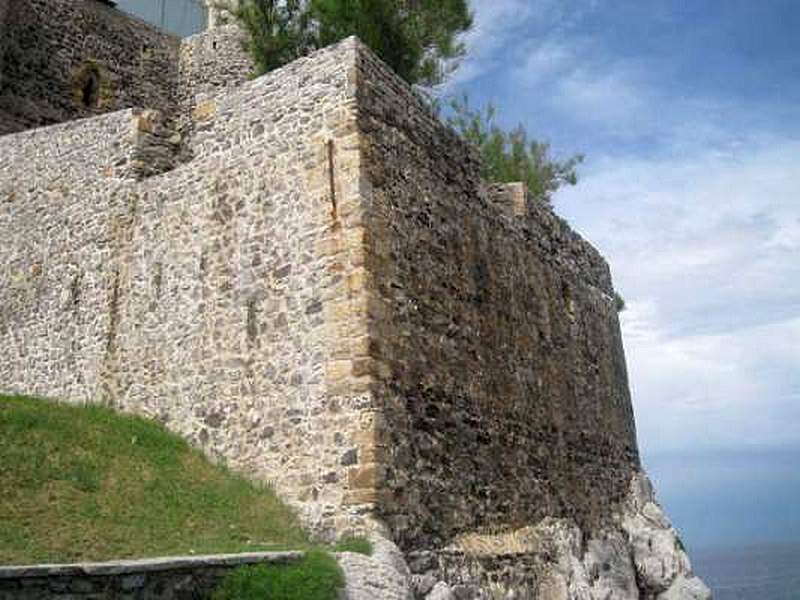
(509, 156)
(419, 39)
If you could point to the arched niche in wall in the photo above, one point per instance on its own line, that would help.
(91, 87)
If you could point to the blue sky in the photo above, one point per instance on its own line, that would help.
(688, 113)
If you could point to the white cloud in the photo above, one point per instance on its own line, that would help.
(729, 390)
(504, 30)
(705, 249)
(607, 97)
(693, 197)
(492, 29)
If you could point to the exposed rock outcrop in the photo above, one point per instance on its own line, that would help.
(636, 556)
(383, 575)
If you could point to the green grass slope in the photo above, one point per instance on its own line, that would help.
(89, 484)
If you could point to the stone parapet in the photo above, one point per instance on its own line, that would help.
(171, 578)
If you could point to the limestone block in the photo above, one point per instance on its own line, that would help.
(383, 575)
(686, 588)
(204, 110)
(441, 591)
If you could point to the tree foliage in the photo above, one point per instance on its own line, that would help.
(619, 302)
(419, 39)
(278, 31)
(510, 156)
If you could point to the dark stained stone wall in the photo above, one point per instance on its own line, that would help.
(50, 49)
(498, 360)
(4, 4)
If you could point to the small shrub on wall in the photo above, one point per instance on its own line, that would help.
(316, 577)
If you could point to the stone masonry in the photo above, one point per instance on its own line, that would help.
(305, 276)
(176, 578)
(67, 59)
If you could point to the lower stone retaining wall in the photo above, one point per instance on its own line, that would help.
(181, 578)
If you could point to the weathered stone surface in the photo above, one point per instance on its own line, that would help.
(173, 578)
(662, 566)
(609, 571)
(383, 575)
(209, 64)
(441, 591)
(686, 588)
(185, 296)
(556, 560)
(498, 337)
(68, 59)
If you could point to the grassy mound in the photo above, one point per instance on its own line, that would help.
(89, 484)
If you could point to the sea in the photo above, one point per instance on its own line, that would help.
(768, 572)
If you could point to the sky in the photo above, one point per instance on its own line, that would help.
(688, 114)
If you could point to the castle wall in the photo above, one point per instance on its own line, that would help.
(209, 64)
(4, 4)
(498, 359)
(58, 227)
(327, 297)
(223, 298)
(51, 49)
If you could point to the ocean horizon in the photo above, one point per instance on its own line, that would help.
(754, 572)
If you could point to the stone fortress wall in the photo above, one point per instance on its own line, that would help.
(223, 281)
(214, 296)
(497, 354)
(66, 59)
(305, 276)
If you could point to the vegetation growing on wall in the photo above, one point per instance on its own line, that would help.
(316, 577)
(619, 302)
(419, 39)
(510, 156)
(277, 32)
